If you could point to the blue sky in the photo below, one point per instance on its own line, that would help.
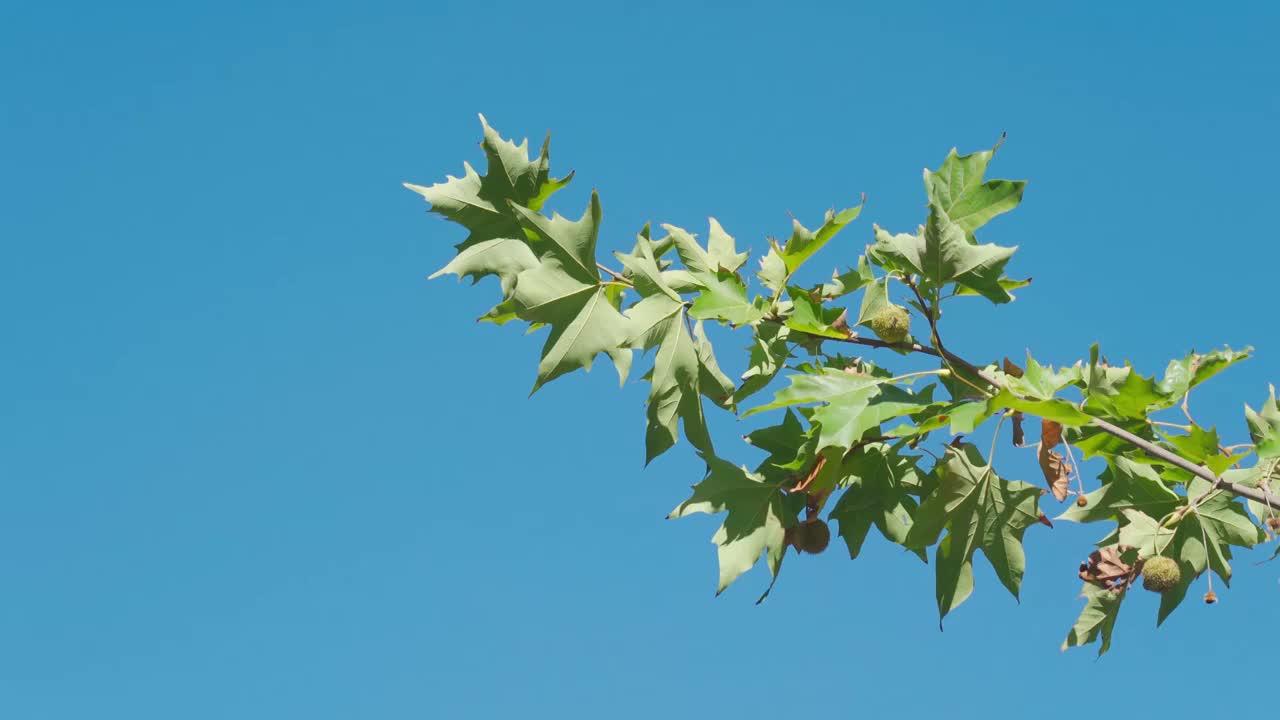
(254, 465)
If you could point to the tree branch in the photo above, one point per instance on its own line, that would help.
(1142, 444)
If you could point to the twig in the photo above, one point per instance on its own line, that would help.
(1142, 444)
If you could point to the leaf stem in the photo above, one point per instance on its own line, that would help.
(616, 275)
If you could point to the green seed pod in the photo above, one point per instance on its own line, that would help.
(891, 324)
(1161, 574)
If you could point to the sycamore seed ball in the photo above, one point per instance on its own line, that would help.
(812, 537)
(1160, 574)
(1081, 501)
(891, 324)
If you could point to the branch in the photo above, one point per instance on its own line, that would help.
(1145, 446)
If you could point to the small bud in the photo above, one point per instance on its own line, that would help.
(1210, 598)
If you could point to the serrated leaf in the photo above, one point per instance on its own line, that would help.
(565, 293)
(877, 479)
(646, 275)
(1042, 381)
(852, 403)
(504, 257)
(809, 316)
(786, 445)
(1183, 374)
(902, 253)
(723, 297)
(757, 515)
(720, 253)
(980, 511)
(804, 243)
(782, 260)
(1097, 619)
(1057, 409)
(1188, 549)
(768, 355)
(684, 369)
(482, 203)
(957, 188)
(949, 256)
(1126, 485)
(875, 300)
(1264, 427)
(842, 284)
(1226, 523)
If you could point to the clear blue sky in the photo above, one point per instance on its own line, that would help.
(254, 465)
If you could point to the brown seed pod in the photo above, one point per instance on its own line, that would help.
(1210, 598)
(812, 536)
(1081, 501)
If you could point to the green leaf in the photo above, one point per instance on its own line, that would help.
(850, 281)
(875, 299)
(683, 370)
(1182, 375)
(877, 479)
(1098, 619)
(1058, 410)
(482, 204)
(720, 254)
(949, 256)
(504, 257)
(1144, 533)
(901, 253)
(1202, 447)
(966, 416)
(724, 298)
(853, 403)
(803, 243)
(1264, 427)
(768, 355)
(646, 275)
(758, 513)
(786, 444)
(957, 188)
(1225, 523)
(980, 511)
(565, 293)
(1041, 381)
(1126, 485)
(1094, 442)
(781, 261)
(809, 316)
(1187, 548)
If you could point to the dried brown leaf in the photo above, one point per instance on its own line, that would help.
(1105, 569)
(1018, 437)
(1010, 368)
(1050, 434)
(1057, 474)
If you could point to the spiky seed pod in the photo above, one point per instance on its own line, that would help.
(891, 324)
(1081, 501)
(1210, 598)
(1160, 574)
